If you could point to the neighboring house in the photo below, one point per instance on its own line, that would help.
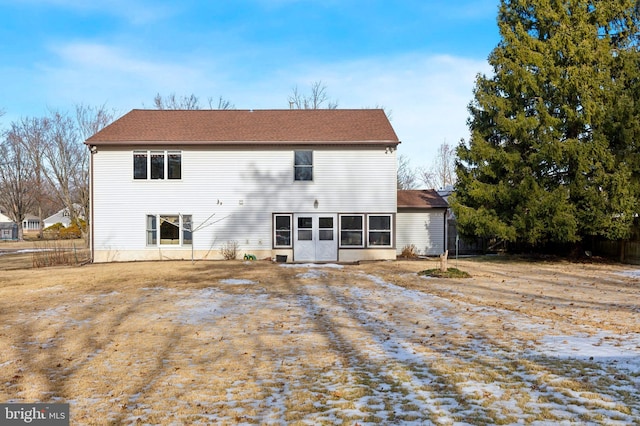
(62, 216)
(31, 224)
(422, 221)
(8, 229)
(312, 185)
(4, 218)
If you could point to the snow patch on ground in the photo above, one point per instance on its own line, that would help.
(631, 274)
(414, 356)
(22, 251)
(235, 281)
(312, 265)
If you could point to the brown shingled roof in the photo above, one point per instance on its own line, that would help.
(362, 126)
(420, 199)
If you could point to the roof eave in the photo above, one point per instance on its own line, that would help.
(91, 142)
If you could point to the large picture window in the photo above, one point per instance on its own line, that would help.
(303, 165)
(351, 230)
(157, 165)
(282, 230)
(169, 230)
(379, 230)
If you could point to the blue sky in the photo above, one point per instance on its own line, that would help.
(417, 58)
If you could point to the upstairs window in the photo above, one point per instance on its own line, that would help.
(140, 164)
(157, 165)
(303, 165)
(174, 165)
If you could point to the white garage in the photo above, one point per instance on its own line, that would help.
(421, 221)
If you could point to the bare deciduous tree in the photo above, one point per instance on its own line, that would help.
(317, 99)
(222, 104)
(190, 102)
(387, 112)
(65, 160)
(33, 133)
(52, 150)
(407, 176)
(173, 102)
(442, 173)
(16, 178)
(90, 120)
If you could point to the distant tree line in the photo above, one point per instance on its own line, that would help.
(440, 174)
(44, 165)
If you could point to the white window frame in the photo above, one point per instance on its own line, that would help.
(301, 166)
(370, 230)
(165, 163)
(362, 230)
(275, 230)
(158, 236)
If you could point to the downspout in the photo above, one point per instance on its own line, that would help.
(92, 151)
(446, 229)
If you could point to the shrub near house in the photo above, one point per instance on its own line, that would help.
(59, 231)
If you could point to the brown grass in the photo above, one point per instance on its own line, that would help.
(173, 342)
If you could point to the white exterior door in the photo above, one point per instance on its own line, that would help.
(315, 238)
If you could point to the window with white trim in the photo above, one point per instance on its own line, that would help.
(157, 165)
(379, 230)
(303, 165)
(282, 230)
(169, 230)
(352, 230)
(140, 165)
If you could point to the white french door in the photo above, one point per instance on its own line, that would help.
(315, 237)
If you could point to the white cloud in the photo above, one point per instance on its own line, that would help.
(427, 95)
(115, 75)
(137, 12)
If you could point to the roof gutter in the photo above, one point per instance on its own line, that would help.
(239, 143)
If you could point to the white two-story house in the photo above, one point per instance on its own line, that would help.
(311, 185)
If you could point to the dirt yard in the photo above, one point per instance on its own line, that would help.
(263, 343)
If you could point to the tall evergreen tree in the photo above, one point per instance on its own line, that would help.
(541, 165)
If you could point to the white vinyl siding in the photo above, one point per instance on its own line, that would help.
(231, 193)
(424, 229)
